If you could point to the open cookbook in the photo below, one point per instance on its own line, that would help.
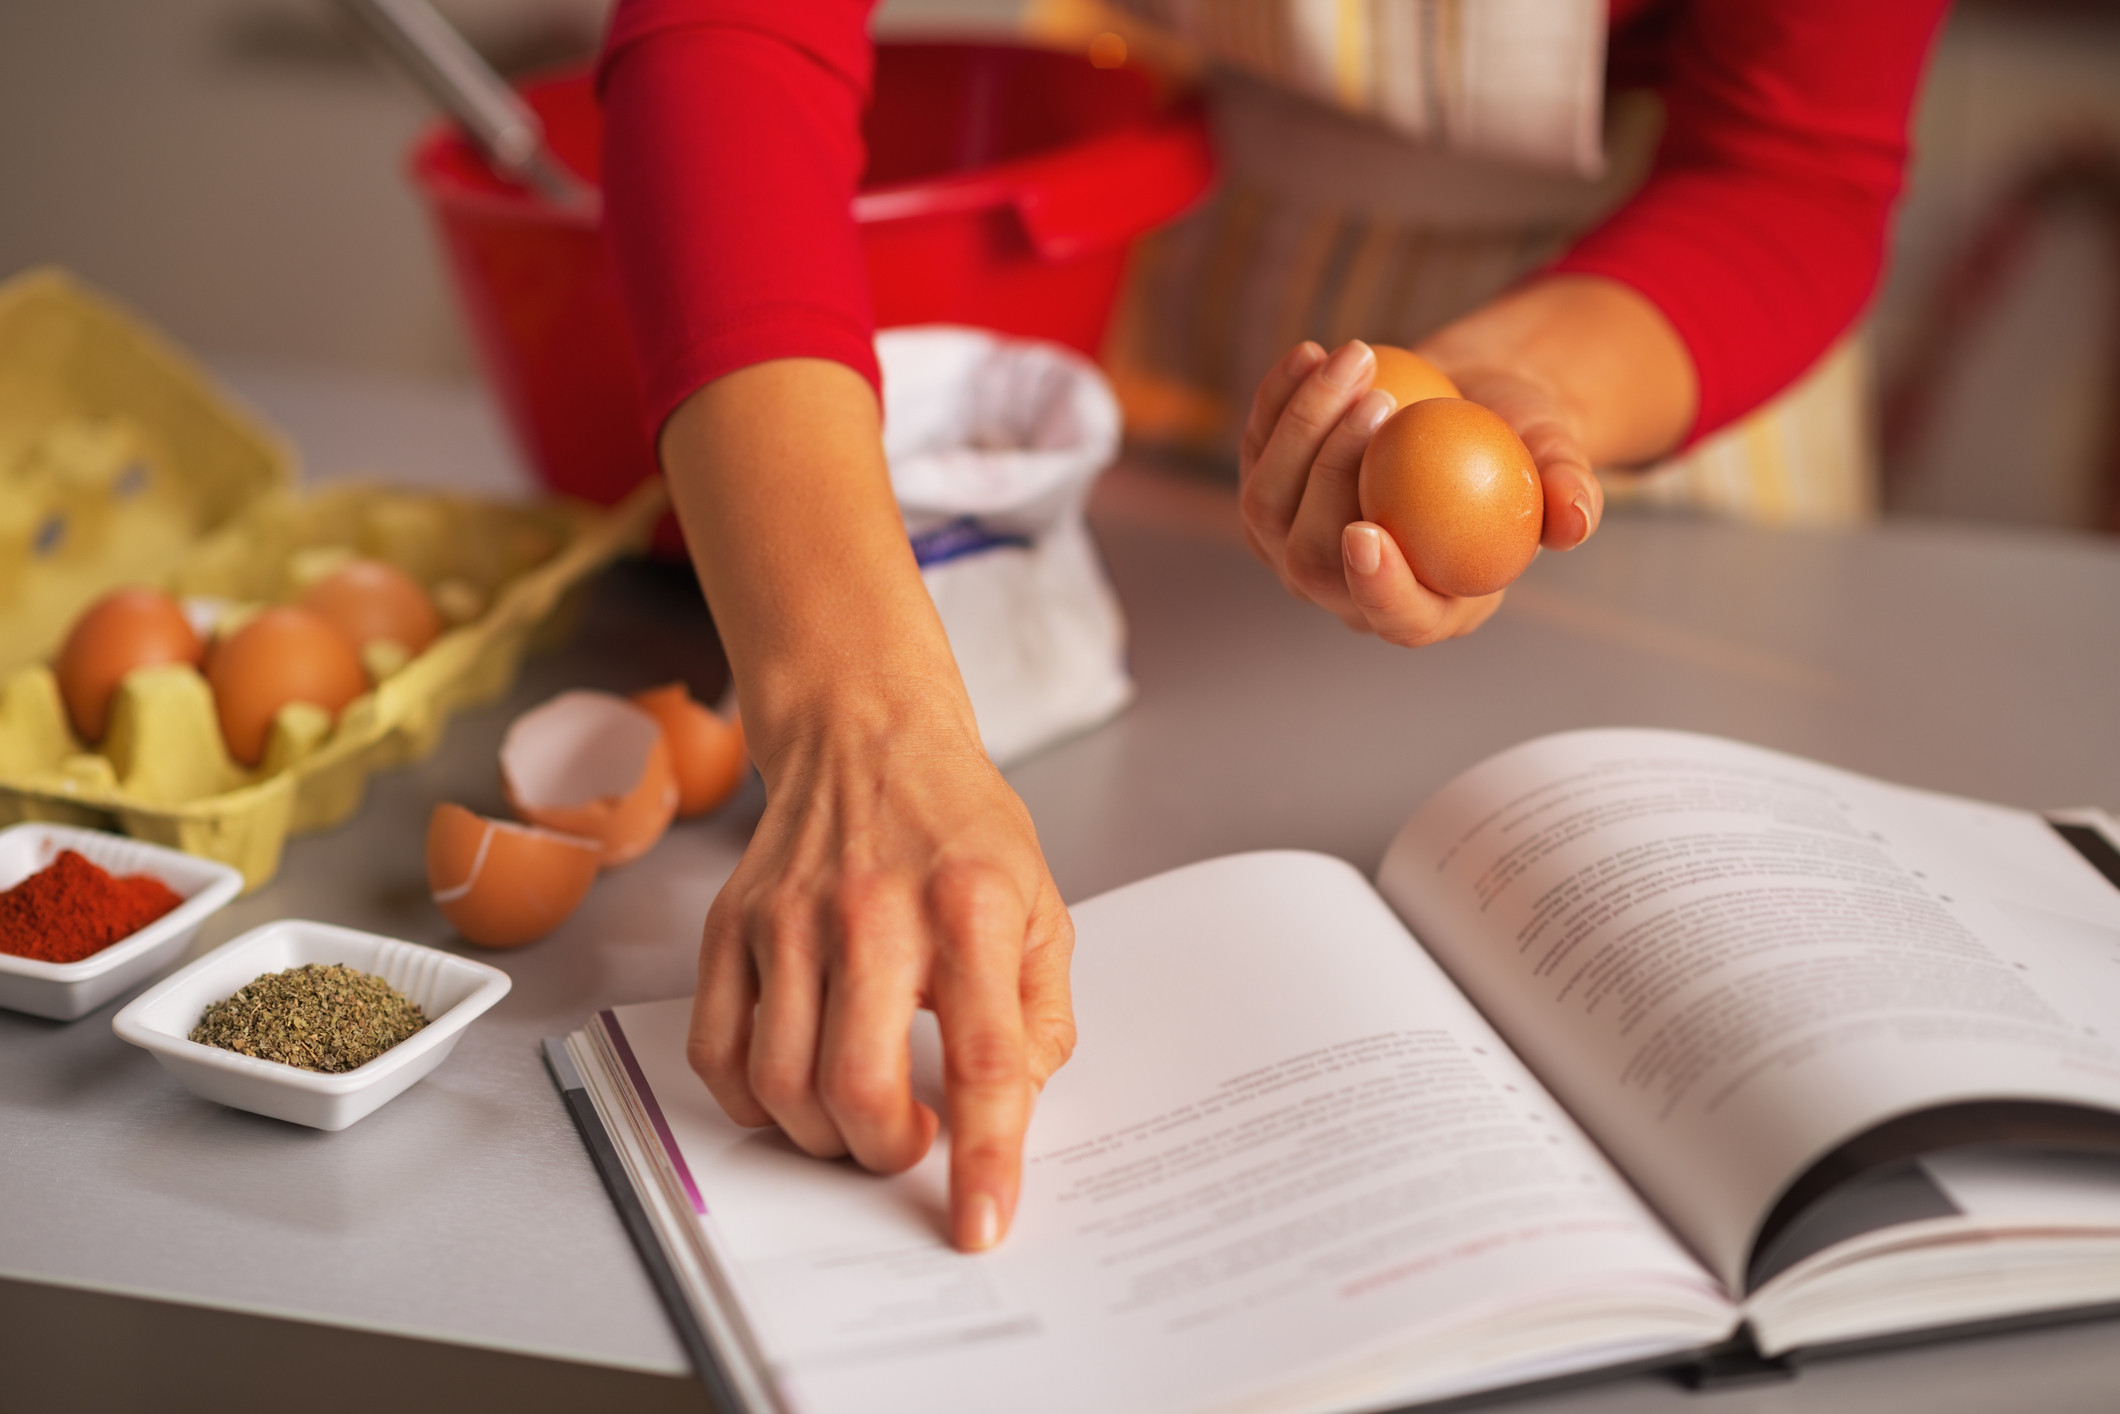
(1641, 1045)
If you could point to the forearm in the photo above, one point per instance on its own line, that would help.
(1606, 356)
(893, 868)
(778, 475)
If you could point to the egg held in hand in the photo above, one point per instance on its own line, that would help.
(124, 630)
(373, 601)
(706, 749)
(1458, 490)
(1408, 377)
(280, 656)
(501, 884)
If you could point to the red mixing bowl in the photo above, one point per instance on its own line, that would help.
(1004, 186)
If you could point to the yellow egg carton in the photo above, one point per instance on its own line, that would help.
(120, 463)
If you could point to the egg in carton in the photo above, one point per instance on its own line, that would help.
(132, 468)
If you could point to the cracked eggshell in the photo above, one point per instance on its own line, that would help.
(592, 764)
(706, 749)
(501, 884)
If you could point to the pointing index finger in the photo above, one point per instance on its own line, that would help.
(976, 992)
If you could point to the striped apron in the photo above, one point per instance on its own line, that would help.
(1390, 165)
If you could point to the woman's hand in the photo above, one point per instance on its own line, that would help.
(1300, 464)
(1588, 372)
(894, 869)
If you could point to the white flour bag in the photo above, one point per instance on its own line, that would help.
(993, 443)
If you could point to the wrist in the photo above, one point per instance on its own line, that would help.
(778, 476)
(868, 710)
(1608, 363)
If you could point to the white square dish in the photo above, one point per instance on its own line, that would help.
(65, 990)
(451, 990)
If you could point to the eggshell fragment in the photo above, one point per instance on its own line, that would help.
(282, 655)
(595, 765)
(1458, 490)
(706, 750)
(124, 630)
(372, 601)
(1408, 377)
(501, 884)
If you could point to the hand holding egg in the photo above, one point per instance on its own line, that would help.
(1417, 548)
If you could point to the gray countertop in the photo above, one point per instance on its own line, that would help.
(467, 1213)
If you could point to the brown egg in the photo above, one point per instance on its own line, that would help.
(1408, 377)
(371, 600)
(501, 884)
(124, 630)
(595, 765)
(1458, 490)
(706, 751)
(280, 656)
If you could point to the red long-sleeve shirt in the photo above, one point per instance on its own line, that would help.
(733, 147)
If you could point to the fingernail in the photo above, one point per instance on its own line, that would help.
(982, 1223)
(1345, 368)
(1365, 548)
(1369, 414)
(1582, 508)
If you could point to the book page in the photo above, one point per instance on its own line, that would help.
(1286, 1152)
(1983, 1234)
(1726, 961)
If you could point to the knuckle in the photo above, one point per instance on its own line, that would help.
(981, 1155)
(1342, 453)
(712, 1057)
(1311, 414)
(775, 914)
(725, 915)
(1060, 1040)
(1312, 573)
(722, 956)
(984, 1059)
(862, 905)
(818, 1141)
(1412, 636)
(725, 1082)
(1253, 506)
(781, 1085)
(973, 895)
(721, 935)
(1258, 546)
(858, 1091)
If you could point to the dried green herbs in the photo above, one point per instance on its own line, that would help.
(319, 1016)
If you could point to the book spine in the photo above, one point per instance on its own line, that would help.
(604, 1154)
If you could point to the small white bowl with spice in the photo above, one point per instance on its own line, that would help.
(450, 991)
(64, 990)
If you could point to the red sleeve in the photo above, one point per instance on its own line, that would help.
(1761, 229)
(732, 149)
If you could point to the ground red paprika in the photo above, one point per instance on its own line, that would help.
(72, 908)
